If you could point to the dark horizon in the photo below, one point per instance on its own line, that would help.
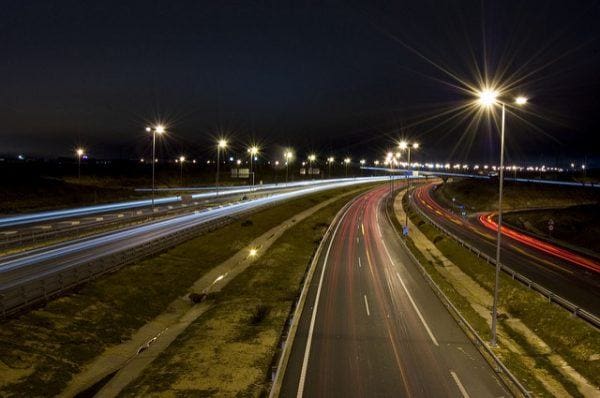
(343, 78)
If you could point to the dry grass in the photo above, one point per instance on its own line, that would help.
(479, 195)
(41, 350)
(229, 350)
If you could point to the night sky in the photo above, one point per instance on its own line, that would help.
(347, 77)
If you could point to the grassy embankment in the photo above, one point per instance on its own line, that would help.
(571, 338)
(228, 351)
(575, 225)
(574, 210)
(41, 350)
(478, 195)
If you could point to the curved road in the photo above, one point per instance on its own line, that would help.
(31, 218)
(546, 265)
(35, 264)
(372, 326)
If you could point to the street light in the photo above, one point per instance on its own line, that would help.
(346, 163)
(389, 159)
(330, 161)
(253, 151)
(405, 145)
(288, 155)
(362, 163)
(79, 153)
(181, 160)
(311, 158)
(487, 99)
(160, 129)
(520, 100)
(221, 144)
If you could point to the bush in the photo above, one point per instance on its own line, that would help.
(196, 298)
(259, 314)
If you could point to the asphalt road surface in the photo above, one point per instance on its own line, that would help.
(372, 327)
(559, 273)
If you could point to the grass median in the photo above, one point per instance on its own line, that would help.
(40, 351)
(229, 350)
(482, 195)
(572, 338)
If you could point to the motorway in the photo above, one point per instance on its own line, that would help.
(569, 275)
(210, 193)
(371, 325)
(26, 231)
(20, 269)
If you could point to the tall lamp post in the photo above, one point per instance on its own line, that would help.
(346, 163)
(487, 99)
(157, 130)
(362, 164)
(404, 145)
(389, 159)
(79, 153)
(330, 161)
(288, 158)
(221, 144)
(253, 151)
(181, 160)
(311, 158)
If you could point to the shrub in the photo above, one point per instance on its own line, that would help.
(259, 314)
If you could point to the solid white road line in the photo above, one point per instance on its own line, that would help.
(314, 313)
(462, 389)
(359, 263)
(417, 311)
(410, 297)
(367, 305)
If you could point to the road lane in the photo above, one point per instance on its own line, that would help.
(13, 221)
(577, 284)
(32, 265)
(377, 327)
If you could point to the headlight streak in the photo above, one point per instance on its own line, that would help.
(123, 240)
(89, 210)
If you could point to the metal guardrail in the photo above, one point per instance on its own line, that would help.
(463, 323)
(29, 293)
(548, 294)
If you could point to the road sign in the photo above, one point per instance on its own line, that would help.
(551, 227)
(405, 230)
